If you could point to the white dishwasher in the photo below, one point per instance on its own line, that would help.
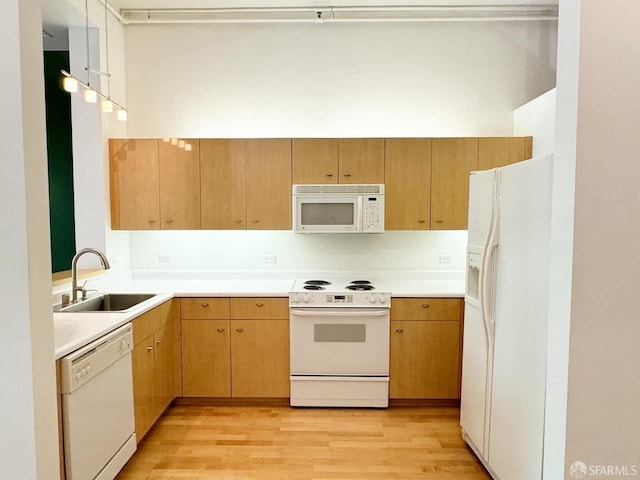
(97, 407)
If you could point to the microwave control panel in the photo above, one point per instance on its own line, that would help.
(373, 213)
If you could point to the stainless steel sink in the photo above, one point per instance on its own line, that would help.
(108, 302)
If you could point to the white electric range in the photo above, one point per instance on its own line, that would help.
(339, 337)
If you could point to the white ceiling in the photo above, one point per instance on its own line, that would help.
(58, 15)
(187, 4)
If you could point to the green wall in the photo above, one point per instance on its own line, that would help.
(60, 156)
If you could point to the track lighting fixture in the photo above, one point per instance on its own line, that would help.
(70, 82)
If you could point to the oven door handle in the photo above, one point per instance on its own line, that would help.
(341, 313)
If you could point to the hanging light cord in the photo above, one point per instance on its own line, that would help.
(106, 41)
(86, 26)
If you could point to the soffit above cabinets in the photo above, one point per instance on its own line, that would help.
(306, 11)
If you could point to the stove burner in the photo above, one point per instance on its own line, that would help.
(313, 287)
(359, 288)
(360, 282)
(317, 282)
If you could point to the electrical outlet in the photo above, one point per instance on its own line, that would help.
(446, 258)
(269, 259)
(165, 258)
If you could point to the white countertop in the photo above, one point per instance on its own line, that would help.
(74, 330)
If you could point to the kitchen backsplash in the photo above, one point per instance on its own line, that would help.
(284, 250)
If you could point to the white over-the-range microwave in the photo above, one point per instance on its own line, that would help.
(338, 208)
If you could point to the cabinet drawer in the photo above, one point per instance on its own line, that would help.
(260, 307)
(204, 308)
(149, 322)
(426, 308)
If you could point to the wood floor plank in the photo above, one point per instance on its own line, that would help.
(200, 442)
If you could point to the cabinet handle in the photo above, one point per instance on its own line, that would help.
(159, 341)
(152, 221)
(328, 175)
(204, 305)
(239, 330)
(237, 221)
(422, 221)
(347, 174)
(438, 221)
(259, 304)
(425, 305)
(168, 221)
(220, 330)
(149, 348)
(255, 221)
(399, 330)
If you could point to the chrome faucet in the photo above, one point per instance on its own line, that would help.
(74, 271)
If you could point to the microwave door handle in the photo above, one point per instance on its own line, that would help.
(358, 220)
(332, 313)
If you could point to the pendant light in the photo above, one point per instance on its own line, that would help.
(70, 82)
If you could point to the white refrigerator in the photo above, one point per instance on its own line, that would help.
(505, 321)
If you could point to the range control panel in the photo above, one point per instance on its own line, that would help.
(356, 299)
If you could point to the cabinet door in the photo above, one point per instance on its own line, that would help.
(268, 171)
(425, 359)
(361, 160)
(164, 372)
(179, 172)
(143, 385)
(496, 152)
(407, 167)
(314, 160)
(453, 159)
(135, 202)
(205, 358)
(223, 185)
(260, 358)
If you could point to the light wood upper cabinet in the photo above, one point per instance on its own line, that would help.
(453, 159)
(134, 175)
(268, 172)
(314, 160)
(496, 152)
(179, 186)
(223, 184)
(361, 160)
(246, 184)
(333, 160)
(407, 183)
(154, 185)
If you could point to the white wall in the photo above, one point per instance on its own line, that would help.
(244, 250)
(538, 119)
(286, 80)
(603, 425)
(28, 436)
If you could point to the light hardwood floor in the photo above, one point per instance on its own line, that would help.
(194, 442)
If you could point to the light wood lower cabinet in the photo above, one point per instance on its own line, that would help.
(425, 348)
(260, 358)
(235, 347)
(156, 368)
(206, 358)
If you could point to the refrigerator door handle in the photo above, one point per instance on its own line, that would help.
(486, 283)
